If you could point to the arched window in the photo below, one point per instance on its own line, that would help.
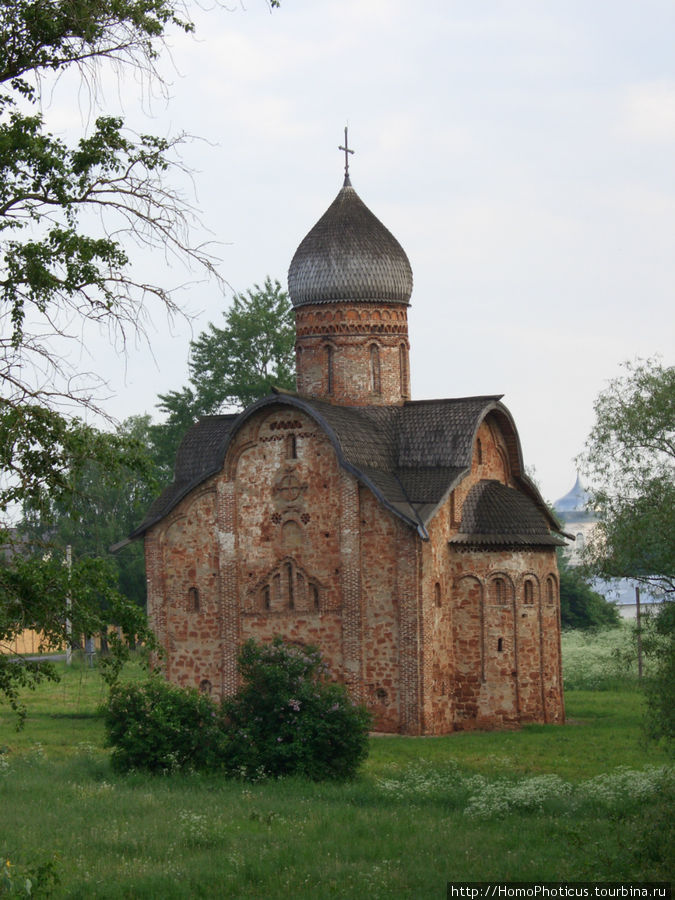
(500, 645)
(499, 591)
(291, 446)
(528, 592)
(329, 369)
(193, 600)
(580, 541)
(550, 590)
(375, 380)
(403, 366)
(315, 596)
(479, 451)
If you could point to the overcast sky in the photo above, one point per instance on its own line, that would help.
(521, 152)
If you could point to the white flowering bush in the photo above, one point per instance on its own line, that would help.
(422, 780)
(488, 798)
(615, 789)
(495, 799)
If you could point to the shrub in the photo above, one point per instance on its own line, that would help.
(159, 727)
(288, 719)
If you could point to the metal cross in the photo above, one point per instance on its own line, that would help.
(347, 152)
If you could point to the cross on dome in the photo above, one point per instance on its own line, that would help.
(347, 151)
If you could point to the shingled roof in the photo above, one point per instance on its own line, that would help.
(410, 456)
(349, 255)
(496, 515)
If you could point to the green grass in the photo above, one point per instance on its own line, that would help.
(424, 811)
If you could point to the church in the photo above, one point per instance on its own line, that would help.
(400, 537)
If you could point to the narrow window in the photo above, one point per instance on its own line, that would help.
(193, 600)
(437, 594)
(329, 370)
(267, 604)
(479, 451)
(550, 590)
(375, 382)
(291, 447)
(315, 597)
(500, 645)
(291, 586)
(580, 542)
(499, 591)
(529, 592)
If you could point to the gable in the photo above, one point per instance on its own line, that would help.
(411, 456)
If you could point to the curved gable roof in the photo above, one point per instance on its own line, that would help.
(409, 456)
(494, 514)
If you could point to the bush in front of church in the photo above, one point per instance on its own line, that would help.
(155, 726)
(288, 718)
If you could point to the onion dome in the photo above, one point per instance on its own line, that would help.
(348, 256)
(575, 505)
(575, 500)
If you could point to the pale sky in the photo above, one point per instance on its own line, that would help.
(521, 152)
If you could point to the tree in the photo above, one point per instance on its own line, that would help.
(233, 366)
(630, 460)
(68, 218)
(581, 606)
(71, 216)
(103, 503)
(630, 465)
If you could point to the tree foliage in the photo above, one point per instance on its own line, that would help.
(43, 593)
(72, 216)
(581, 606)
(103, 503)
(232, 366)
(630, 464)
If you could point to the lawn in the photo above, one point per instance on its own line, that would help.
(586, 801)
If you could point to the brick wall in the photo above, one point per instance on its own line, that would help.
(432, 637)
(355, 354)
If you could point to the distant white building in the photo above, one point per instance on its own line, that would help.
(580, 519)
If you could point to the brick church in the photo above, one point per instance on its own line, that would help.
(401, 537)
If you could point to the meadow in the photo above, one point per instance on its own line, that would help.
(590, 800)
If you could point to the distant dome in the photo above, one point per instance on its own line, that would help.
(349, 255)
(575, 500)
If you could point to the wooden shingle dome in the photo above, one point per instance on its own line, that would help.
(349, 256)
